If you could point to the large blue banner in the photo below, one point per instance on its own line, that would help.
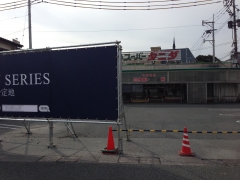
(73, 83)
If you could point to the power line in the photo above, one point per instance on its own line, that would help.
(225, 55)
(200, 49)
(22, 3)
(198, 45)
(218, 45)
(10, 5)
(19, 5)
(144, 29)
(106, 7)
(124, 4)
(24, 25)
(93, 3)
(221, 14)
(13, 7)
(216, 14)
(12, 18)
(199, 42)
(12, 2)
(14, 32)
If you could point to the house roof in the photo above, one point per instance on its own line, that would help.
(11, 42)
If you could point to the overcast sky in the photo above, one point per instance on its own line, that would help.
(138, 30)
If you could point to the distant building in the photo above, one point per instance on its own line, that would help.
(6, 45)
(159, 56)
(173, 75)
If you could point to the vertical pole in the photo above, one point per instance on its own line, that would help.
(29, 24)
(120, 112)
(51, 135)
(120, 79)
(120, 143)
(120, 89)
(30, 35)
(28, 129)
(125, 122)
(186, 57)
(213, 41)
(235, 31)
(181, 94)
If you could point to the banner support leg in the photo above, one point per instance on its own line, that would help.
(27, 127)
(71, 129)
(51, 135)
(120, 143)
(125, 123)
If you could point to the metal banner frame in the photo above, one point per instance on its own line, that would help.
(121, 114)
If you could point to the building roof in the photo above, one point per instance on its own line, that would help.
(11, 43)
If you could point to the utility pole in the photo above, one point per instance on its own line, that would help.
(29, 24)
(235, 32)
(233, 25)
(213, 37)
(211, 24)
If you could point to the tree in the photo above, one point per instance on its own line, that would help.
(208, 58)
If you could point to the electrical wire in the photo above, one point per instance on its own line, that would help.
(145, 29)
(223, 12)
(220, 28)
(22, 3)
(199, 42)
(126, 2)
(12, 18)
(24, 25)
(13, 8)
(218, 45)
(14, 32)
(105, 7)
(12, 2)
(198, 46)
(10, 7)
(200, 49)
(121, 6)
(216, 13)
(196, 43)
(224, 55)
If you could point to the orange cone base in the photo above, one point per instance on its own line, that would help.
(186, 154)
(110, 151)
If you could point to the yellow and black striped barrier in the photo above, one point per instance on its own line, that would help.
(179, 131)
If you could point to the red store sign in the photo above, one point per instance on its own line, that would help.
(140, 79)
(162, 79)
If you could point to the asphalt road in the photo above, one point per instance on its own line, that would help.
(199, 117)
(59, 171)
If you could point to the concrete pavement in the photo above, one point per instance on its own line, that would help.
(16, 145)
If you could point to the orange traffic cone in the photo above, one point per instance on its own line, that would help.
(186, 151)
(110, 144)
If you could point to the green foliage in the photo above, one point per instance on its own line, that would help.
(208, 58)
